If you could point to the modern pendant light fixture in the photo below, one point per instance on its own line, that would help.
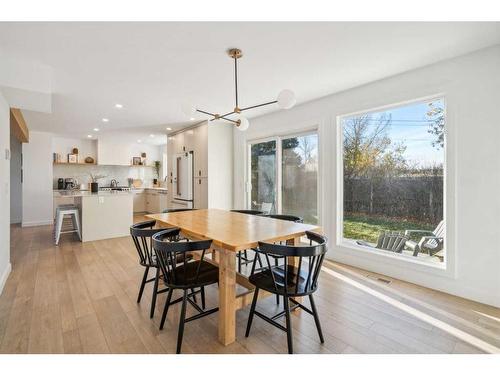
(285, 100)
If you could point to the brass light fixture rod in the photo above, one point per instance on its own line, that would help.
(235, 54)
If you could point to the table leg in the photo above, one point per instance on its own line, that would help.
(227, 296)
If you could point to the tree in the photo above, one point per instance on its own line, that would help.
(368, 150)
(435, 114)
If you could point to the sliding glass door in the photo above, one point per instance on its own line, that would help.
(284, 176)
(299, 177)
(263, 176)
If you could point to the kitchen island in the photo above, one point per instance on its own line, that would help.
(106, 214)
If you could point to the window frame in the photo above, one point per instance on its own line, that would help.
(279, 171)
(351, 245)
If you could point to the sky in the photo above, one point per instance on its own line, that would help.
(410, 125)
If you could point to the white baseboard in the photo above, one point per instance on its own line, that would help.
(36, 223)
(4, 276)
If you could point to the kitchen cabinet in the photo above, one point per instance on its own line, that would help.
(212, 147)
(201, 151)
(179, 143)
(152, 202)
(139, 201)
(200, 192)
(163, 198)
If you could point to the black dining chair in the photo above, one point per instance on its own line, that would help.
(170, 210)
(249, 212)
(295, 219)
(290, 281)
(142, 234)
(183, 270)
(242, 256)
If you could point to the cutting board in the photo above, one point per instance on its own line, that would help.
(137, 183)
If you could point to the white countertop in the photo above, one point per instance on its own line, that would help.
(87, 193)
(150, 188)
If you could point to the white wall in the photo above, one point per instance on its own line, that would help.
(37, 183)
(471, 86)
(16, 188)
(118, 149)
(65, 146)
(4, 192)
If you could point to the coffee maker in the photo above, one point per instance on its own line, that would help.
(60, 184)
(69, 183)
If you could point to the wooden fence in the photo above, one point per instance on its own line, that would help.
(413, 197)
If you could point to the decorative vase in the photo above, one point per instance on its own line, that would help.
(94, 187)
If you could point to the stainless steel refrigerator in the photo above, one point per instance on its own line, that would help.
(182, 180)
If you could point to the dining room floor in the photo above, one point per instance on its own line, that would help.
(81, 298)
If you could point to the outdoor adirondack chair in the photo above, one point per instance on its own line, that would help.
(432, 242)
(391, 241)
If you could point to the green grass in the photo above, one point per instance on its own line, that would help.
(368, 228)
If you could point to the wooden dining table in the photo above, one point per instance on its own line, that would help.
(232, 232)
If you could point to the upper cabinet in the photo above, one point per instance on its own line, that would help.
(212, 147)
(201, 147)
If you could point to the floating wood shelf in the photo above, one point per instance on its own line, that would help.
(79, 163)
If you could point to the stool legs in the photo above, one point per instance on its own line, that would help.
(59, 222)
(60, 213)
(76, 225)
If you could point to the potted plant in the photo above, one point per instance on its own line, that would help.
(157, 165)
(94, 185)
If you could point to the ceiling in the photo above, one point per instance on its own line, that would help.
(152, 69)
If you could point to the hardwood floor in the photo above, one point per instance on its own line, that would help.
(81, 298)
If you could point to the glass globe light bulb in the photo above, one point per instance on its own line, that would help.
(286, 99)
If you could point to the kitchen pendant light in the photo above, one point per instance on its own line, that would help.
(285, 100)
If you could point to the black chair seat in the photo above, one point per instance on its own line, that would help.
(189, 276)
(275, 283)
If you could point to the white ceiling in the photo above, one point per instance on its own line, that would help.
(153, 68)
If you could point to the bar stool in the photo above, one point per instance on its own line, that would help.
(61, 212)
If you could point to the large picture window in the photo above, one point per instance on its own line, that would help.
(393, 180)
(284, 176)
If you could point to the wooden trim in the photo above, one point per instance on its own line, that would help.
(18, 126)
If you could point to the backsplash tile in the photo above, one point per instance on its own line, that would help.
(117, 172)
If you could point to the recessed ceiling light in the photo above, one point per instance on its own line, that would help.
(96, 129)
(139, 141)
(89, 136)
(118, 105)
(169, 128)
(105, 120)
(152, 135)
(192, 119)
